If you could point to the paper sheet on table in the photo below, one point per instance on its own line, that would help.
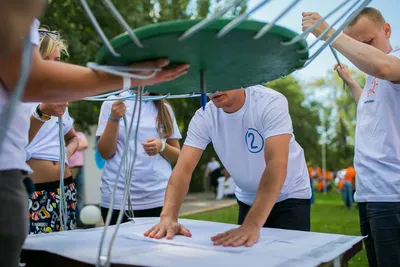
(276, 247)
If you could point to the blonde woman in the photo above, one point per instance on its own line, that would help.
(157, 147)
(43, 152)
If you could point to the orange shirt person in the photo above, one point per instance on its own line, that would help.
(350, 175)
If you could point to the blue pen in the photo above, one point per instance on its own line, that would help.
(203, 92)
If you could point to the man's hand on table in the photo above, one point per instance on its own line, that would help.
(167, 227)
(246, 235)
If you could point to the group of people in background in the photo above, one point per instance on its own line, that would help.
(343, 180)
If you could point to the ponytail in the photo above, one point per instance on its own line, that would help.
(165, 126)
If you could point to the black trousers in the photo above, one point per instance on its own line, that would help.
(13, 216)
(291, 214)
(380, 222)
(155, 212)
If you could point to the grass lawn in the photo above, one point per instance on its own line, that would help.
(328, 215)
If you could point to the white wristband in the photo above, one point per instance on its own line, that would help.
(36, 116)
(163, 146)
(126, 83)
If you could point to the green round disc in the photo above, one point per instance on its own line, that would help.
(233, 61)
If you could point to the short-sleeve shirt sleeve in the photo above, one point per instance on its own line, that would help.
(396, 53)
(34, 33)
(276, 119)
(199, 135)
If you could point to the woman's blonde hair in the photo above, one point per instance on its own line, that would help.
(48, 44)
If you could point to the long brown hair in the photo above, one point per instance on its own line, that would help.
(165, 126)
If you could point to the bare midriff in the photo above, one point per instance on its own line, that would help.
(45, 171)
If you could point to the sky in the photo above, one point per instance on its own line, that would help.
(292, 21)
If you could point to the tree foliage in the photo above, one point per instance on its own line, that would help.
(339, 110)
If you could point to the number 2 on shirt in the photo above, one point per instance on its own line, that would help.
(254, 140)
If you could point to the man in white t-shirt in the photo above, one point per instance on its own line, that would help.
(365, 42)
(251, 131)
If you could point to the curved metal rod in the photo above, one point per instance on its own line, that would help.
(146, 98)
(119, 220)
(62, 207)
(322, 35)
(115, 71)
(231, 25)
(122, 22)
(8, 112)
(208, 20)
(305, 34)
(103, 260)
(132, 97)
(335, 55)
(97, 27)
(338, 31)
(269, 26)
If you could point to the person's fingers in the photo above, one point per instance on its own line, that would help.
(149, 231)
(251, 241)
(173, 71)
(307, 14)
(336, 66)
(218, 236)
(160, 233)
(239, 240)
(185, 232)
(149, 145)
(154, 232)
(157, 63)
(174, 76)
(222, 240)
(171, 232)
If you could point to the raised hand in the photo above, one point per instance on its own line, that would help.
(309, 19)
(344, 73)
(118, 109)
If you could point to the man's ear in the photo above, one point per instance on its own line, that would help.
(388, 30)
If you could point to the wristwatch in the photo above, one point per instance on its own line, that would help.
(42, 116)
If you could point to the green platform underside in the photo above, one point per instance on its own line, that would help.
(233, 61)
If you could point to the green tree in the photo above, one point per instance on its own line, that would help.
(340, 112)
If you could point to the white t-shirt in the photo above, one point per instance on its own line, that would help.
(213, 165)
(12, 154)
(150, 174)
(46, 144)
(238, 139)
(377, 141)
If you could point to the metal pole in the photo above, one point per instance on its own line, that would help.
(324, 153)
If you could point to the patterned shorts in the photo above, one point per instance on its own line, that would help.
(44, 207)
